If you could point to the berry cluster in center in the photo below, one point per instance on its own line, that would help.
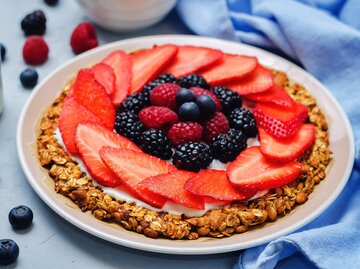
(187, 121)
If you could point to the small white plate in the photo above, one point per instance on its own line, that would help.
(341, 143)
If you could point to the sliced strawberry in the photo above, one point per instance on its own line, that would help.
(281, 122)
(251, 170)
(190, 59)
(259, 80)
(132, 167)
(89, 139)
(105, 75)
(88, 92)
(171, 186)
(275, 95)
(215, 184)
(73, 113)
(287, 149)
(120, 61)
(148, 64)
(230, 67)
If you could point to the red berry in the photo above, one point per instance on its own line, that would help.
(251, 170)
(157, 116)
(90, 138)
(132, 167)
(35, 50)
(171, 186)
(281, 122)
(164, 95)
(200, 91)
(83, 38)
(182, 132)
(218, 124)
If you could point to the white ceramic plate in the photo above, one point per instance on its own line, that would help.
(341, 143)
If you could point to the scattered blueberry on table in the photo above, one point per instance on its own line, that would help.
(29, 78)
(9, 251)
(34, 23)
(20, 217)
(2, 51)
(51, 2)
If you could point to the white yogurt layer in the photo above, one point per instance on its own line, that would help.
(121, 193)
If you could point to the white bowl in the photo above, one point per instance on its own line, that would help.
(341, 144)
(126, 15)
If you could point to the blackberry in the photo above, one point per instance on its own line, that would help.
(242, 119)
(155, 142)
(192, 156)
(128, 124)
(34, 23)
(192, 81)
(134, 103)
(165, 78)
(226, 147)
(229, 99)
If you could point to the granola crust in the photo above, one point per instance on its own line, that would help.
(71, 182)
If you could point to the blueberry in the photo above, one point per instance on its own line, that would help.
(20, 217)
(51, 2)
(2, 51)
(189, 111)
(184, 95)
(29, 78)
(9, 251)
(206, 104)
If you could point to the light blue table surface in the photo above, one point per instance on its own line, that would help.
(52, 242)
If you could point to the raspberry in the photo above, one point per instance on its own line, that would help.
(83, 38)
(215, 126)
(35, 50)
(164, 95)
(157, 116)
(182, 132)
(200, 91)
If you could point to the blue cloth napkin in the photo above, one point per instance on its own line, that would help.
(322, 35)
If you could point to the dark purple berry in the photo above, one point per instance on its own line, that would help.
(184, 95)
(9, 251)
(20, 217)
(189, 111)
(29, 78)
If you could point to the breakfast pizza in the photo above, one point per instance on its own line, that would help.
(182, 142)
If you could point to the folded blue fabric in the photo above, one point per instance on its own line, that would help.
(322, 35)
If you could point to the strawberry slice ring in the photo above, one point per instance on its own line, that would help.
(119, 119)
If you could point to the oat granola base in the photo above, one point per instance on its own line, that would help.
(239, 217)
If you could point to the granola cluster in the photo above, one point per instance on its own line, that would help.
(73, 183)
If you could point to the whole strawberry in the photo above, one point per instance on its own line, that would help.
(218, 124)
(157, 116)
(164, 95)
(182, 132)
(83, 38)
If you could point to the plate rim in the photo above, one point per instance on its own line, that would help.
(170, 249)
